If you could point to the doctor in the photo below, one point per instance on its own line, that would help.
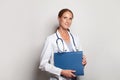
(65, 17)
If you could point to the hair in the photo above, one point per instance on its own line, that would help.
(61, 12)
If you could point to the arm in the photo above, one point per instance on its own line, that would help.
(45, 58)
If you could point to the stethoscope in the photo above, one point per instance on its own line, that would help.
(60, 39)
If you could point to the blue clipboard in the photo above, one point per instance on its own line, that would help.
(70, 60)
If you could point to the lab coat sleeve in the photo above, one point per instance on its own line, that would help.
(45, 57)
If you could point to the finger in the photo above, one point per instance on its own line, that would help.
(84, 60)
(73, 71)
(84, 63)
(73, 75)
(84, 57)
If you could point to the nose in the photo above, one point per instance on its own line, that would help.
(68, 20)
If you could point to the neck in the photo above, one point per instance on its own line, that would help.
(62, 30)
(64, 34)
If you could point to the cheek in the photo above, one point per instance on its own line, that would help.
(70, 21)
(62, 21)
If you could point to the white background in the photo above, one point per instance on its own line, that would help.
(25, 24)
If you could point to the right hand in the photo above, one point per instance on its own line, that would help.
(68, 73)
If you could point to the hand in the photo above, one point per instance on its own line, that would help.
(84, 62)
(68, 73)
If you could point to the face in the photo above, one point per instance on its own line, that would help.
(65, 20)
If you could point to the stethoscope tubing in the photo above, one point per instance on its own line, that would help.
(63, 43)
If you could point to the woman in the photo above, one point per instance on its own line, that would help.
(65, 17)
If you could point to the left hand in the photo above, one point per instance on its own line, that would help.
(84, 62)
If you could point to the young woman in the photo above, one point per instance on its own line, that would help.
(65, 17)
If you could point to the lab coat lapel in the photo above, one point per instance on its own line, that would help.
(65, 46)
(71, 40)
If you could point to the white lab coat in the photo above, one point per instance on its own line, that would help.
(50, 47)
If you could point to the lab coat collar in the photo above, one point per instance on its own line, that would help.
(71, 40)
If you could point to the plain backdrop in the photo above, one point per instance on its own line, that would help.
(25, 24)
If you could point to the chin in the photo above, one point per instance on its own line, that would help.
(66, 28)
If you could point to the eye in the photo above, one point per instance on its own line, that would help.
(65, 17)
(70, 18)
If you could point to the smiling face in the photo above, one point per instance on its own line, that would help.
(65, 20)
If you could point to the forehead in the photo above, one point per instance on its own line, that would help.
(67, 13)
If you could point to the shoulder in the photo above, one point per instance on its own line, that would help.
(51, 37)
